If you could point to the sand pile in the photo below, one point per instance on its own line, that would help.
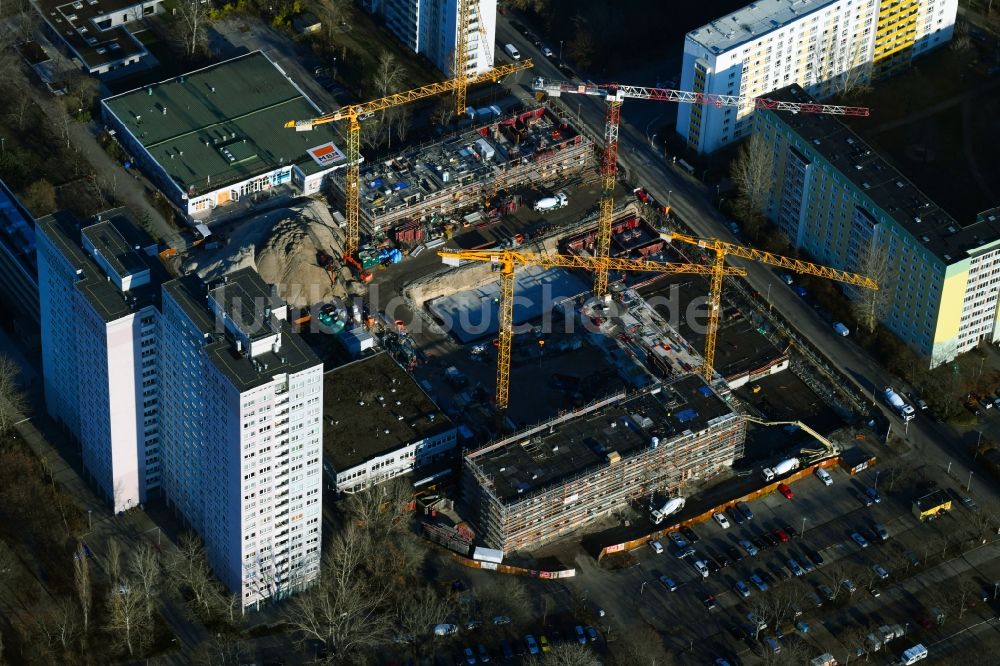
(283, 246)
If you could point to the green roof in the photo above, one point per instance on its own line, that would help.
(224, 124)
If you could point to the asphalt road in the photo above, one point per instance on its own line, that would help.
(694, 202)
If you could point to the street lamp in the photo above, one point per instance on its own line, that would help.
(969, 483)
(803, 525)
(669, 192)
(652, 142)
(643, 588)
(877, 472)
(90, 522)
(560, 52)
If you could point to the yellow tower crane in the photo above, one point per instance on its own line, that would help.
(720, 249)
(354, 113)
(468, 11)
(506, 261)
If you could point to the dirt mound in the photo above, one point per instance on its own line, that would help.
(284, 246)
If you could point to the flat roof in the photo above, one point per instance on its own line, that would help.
(66, 232)
(243, 371)
(569, 449)
(78, 23)
(932, 500)
(107, 240)
(753, 21)
(930, 225)
(248, 303)
(225, 123)
(372, 407)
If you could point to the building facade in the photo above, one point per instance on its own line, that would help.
(18, 269)
(824, 46)
(98, 298)
(554, 478)
(430, 28)
(242, 438)
(836, 198)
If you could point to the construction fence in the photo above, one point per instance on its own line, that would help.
(707, 515)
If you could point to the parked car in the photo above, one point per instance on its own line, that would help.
(734, 553)
(779, 571)
(547, 52)
(501, 620)
(860, 540)
(484, 654)
(702, 568)
(690, 534)
(862, 497)
(687, 552)
(581, 635)
(742, 589)
(721, 519)
(785, 490)
(678, 539)
(532, 645)
(816, 558)
(713, 566)
(668, 583)
(788, 529)
(880, 571)
(758, 582)
(874, 495)
(823, 476)
(849, 585)
(744, 508)
(657, 547)
(709, 601)
(735, 514)
(827, 592)
(882, 532)
(592, 634)
(782, 535)
(875, 591)
(749, 547)
(969, 503)
(787, 279)
(794, 567)
(771, 540)
(543, 643)
(756, 621)
(470, 656)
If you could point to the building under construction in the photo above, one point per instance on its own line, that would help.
(464, 169)
(558, 476)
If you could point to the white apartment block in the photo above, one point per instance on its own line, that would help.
(98, 296)
(824, 46)
(242, 437)
(430, 27)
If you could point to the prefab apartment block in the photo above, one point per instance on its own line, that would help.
(558, 476)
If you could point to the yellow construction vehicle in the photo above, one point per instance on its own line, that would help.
(354, 113)
(720, 249)
(505, 262)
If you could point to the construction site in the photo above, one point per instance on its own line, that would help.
(558, 476)
(425, 184)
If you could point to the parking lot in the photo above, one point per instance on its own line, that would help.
(803, 590)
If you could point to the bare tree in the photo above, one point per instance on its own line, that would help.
(114, 561)
(419, 611)
(752, 173)
(333, 14)
(871, 305)
(128, 625)
(503, 596)
(67, 624)
(347, 610)
(856, 71)
(380, 510)
(575, 654)
(192, 16)
(639, 646)
(145, 571)
(444, 111)
(13, 404)
(82, 582)
(189, 570)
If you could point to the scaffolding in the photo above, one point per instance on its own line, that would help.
(537, 485)
(449, 175)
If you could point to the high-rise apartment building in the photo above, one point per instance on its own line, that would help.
(838, 199)
(430, 27)
(825, 46)
(242, 439)
(98, 298)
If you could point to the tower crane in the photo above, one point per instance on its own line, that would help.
(468, 10)
(354, 113)
(506, 261)
(721, 248)
(614, 94)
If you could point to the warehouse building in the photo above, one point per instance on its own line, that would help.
(462, 170)
(839, 200)
(557, 477)
(95, 32)
(379, 424)
(215, 136)
(825, 46)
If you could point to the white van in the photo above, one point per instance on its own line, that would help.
(913, 655)
(823, 476)
(512, 51)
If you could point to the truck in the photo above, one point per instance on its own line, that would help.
(903, 408)
(783, 467)
(912, 655)
(669, 507)
(545, 204)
